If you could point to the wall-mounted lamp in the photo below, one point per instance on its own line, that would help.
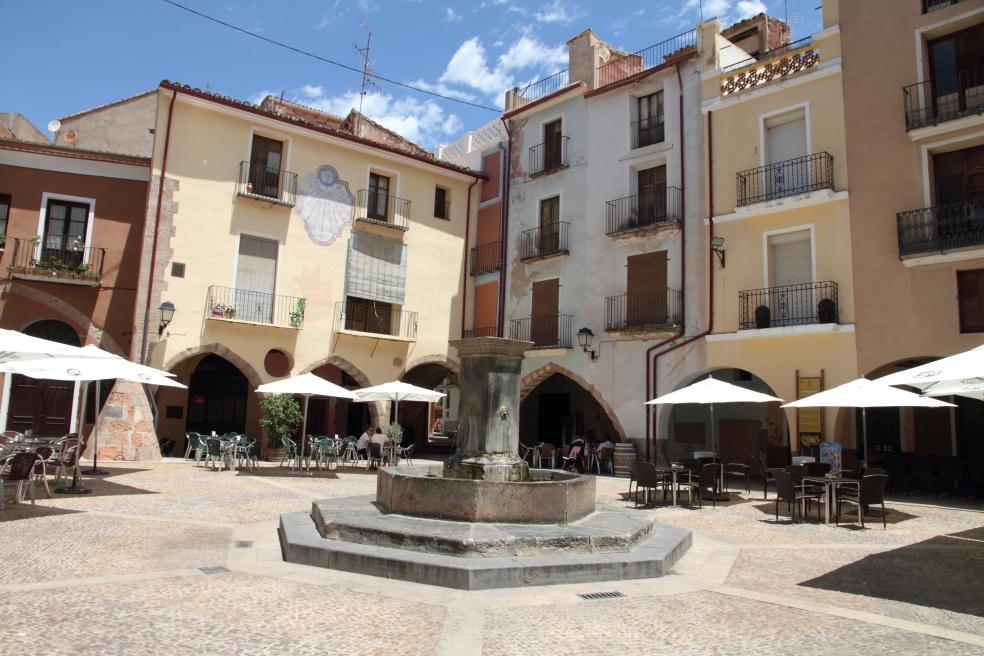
(584, 337)
(717, 245)
(167, 313)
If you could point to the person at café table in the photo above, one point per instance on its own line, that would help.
(379, 438)
(362, 446)
(607, 442)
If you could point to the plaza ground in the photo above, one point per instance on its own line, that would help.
(171, 558)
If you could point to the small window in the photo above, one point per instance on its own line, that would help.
(970, 290)
(178, 269)
(4, 215)
(650, 125)
(379, 199)
(442, 203)
(265, 164)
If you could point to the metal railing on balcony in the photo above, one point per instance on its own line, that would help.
(941, 228)
(944, 98)
(540, 88)
(636, 62)
(272, 185)
(382, 209)
(547, 240)
(485, 331)
(649, 209)
(789, 178)
(642, 311)
(552, 331)
(765, 56)
(548, 156)
(377, 320)
(45, 258)
(933, 5)
(792, 305)
(255, 307)
(486, 258)
(647, 131)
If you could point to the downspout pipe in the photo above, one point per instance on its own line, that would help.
(157, 226)
(464, 278)
(505, 173)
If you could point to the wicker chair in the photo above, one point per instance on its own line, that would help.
(19, 469)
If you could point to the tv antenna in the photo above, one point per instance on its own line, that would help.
(367, 70)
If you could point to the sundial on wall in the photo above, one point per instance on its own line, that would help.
(325, 204)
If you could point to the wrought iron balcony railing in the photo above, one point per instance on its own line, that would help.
(377, 320)
(548, 156)
(255, 307)
(654, 208)
(486, 258)
(933, 5)
(547, 240)
(379, 208)
(642, 311)
(272, 185)
(944, 98)
(792, 305)
(941, 228)
(788, 178)
(536, 90)
(648, 131)
(50, 260)
(628, 65)
(553, 331)
(485, 331)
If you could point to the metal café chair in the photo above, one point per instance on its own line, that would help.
(407, 453)
(18, 468)
(192, 443)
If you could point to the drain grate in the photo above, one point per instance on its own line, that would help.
(601, 595)
(244, 544)
(213, 570)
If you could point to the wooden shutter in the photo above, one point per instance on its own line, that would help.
(792, 260)
(786, 137)
(545, 311)
(256, 275)
(970, 290)
(645, 284)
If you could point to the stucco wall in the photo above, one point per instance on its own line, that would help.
(124, 127)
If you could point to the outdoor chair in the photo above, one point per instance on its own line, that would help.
(952, 474)
(215, 452)
(740, 470)
(545, 453)
(798, 473)
(243, 449)
(290, 451)
(705, 481)
(647, 478)
(869, 492)
(528, 453)
(375, 455)
(45, 453)
(572, 461)
(18, 468)
(634, 474)
(794, 497)
(66, 456)
(192, 443)
(602, 457)
(407, 453)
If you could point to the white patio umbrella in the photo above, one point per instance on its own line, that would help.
(396, 391)
(863, 393)
(712, 391)
(18, 347)
(972, 388)
(307, 385)
(932, 375)
(85, 369)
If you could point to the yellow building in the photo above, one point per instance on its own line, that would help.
(783, 319)
(288, 241)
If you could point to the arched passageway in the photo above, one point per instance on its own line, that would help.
(559, 408)
(43, 407)
(421, 421)
(337, 416)
(217, 397)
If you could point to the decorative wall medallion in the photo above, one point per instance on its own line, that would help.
(325, 204)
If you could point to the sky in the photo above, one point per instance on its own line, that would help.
(63, 57)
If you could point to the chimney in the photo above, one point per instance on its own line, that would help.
(585, 53)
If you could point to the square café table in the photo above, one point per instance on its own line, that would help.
(830, 484)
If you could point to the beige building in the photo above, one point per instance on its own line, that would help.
(914, 96)
(778, 194)
(287, 243)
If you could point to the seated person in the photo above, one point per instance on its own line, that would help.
(378, 437)
(362, 446)
(607, 442)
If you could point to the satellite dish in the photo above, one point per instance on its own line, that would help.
(54, 125)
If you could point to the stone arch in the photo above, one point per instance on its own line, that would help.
(93, 333)
(217, 349)
(534, 378)
(448, 363)
(342, 364)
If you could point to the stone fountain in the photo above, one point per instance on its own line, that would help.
(484, 519)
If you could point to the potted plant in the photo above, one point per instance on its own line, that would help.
(297, 315)
(281, 415)
(230, 312)
(394, 433)
(218, 310)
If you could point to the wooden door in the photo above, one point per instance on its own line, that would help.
(738, 440)
(256, 274)
(931, 428)
(549, 241)
(266, 158)
(552, 145)
(43, 407)
(545, 313)
(66, 224)
(378, 201)
(652, 195)
(646, 290)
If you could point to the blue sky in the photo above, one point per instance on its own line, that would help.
(63, 57)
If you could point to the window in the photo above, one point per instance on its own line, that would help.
(266, 158)
(957, 66)
(959, 176)
(4, 215)
(378, 202)
(549, 241)
(970, 291)
(256, 276)
(650, 125)
(442, 206)
(785, 137)
(791, 272)
(65, 227)
(552, 145)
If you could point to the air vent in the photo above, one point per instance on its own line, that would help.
(591, 596)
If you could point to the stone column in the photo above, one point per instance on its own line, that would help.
(126, 431)
(488, 412)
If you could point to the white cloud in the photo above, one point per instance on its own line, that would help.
(470, 65)
(451, 16)
(531, 52)
(558, 11)
(749, 8)
(728, 11)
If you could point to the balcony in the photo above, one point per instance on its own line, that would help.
(270, 185)
(381, 321)
(486, 258)
(773, 65)
(549, 156)
(485, 331)
(792, 177)
(380, 209)
(245, 306)
(947, 99)
(940, 229)
(642, 312)
(658, 208)
(793, 305)
(655, 55)
(933, 5)
(549, 332)
(536, 90)
(548, 240)
(33, 260)
(647, 131)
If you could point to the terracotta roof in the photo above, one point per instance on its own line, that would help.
(302, 112)
(69, 151)
(109, 104)
(246, 106)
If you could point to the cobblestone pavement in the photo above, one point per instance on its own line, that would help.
(175, 559)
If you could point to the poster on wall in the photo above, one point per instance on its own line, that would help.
(830, 452)
(809, 420)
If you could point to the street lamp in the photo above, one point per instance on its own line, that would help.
(584, 337)
(167, 313)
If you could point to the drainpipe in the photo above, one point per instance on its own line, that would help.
(505, 168)
(710, 265)
(464, 278)
(157, 226)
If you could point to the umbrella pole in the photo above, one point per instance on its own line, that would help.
(303, 453)
(864, 434)
(95, 471)
(74, 488)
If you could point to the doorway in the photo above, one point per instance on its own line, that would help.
(43, 407)
(217, 397)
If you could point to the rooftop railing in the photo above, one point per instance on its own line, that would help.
(766, 55)
(788, 178)
(791, 305)
(941, 228)
(636, 62)
(536, 90)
